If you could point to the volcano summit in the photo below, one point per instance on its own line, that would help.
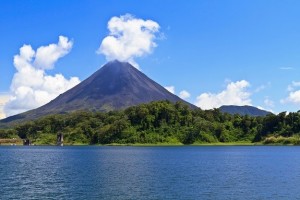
(115, 86)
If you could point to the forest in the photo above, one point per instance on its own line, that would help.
(160, 122)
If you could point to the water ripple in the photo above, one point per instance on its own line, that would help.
(149, 172)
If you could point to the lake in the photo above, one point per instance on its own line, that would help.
(187, 172)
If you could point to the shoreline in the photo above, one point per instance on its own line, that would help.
(157, 145)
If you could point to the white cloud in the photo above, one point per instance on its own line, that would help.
(170, 89)
(294, 94)
(235, 94)
(268, 102)
(286, 68)
(266, 109)
(31, 87)
(46, 56)
(128, 38)
(3, 100)
(262, 87)
(184, 94)
(292, 86)
(294, 97)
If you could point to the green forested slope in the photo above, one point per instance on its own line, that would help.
(157, 123)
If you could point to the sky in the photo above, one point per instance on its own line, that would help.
(210, 53)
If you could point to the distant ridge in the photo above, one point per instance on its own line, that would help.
(117, 85)
(244, 110)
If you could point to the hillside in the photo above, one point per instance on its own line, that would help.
(115, 86)
(244, 110)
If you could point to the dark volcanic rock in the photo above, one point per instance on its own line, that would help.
(117, 85)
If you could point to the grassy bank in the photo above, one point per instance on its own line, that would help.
(279, 140)
(162, 144)
(241, 143)
(10, 141)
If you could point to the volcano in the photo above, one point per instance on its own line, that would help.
(244, 110)
(115, 86)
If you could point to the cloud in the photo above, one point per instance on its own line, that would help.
(262, 87)
(184, 94)
(235, 94)
(292, 86)
(129, 38)
(3, 100)
(286, 68)
(294, 94)
(266, 109)
(268, 102)
(31, 87)
(46, 56)
(294, 97)
(170, 89)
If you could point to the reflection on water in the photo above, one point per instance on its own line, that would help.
(149, 172)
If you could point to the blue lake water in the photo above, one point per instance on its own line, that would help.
(213, 172)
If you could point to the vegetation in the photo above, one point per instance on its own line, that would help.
(160, 122)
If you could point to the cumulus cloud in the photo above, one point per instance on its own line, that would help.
(294, 94)
(3, 100)
(294, 97)
(235, 94)
(46, 56)
(170, 89)
(129, 38)
(184, 94)
(31, 87)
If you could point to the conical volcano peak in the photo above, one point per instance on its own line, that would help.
(118, 64)
(117, 85)
(116, 67)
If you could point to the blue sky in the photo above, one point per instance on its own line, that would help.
(223, 52)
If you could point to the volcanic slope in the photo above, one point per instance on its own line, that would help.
(117, 85)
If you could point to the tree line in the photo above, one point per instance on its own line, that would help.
(160, 122)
